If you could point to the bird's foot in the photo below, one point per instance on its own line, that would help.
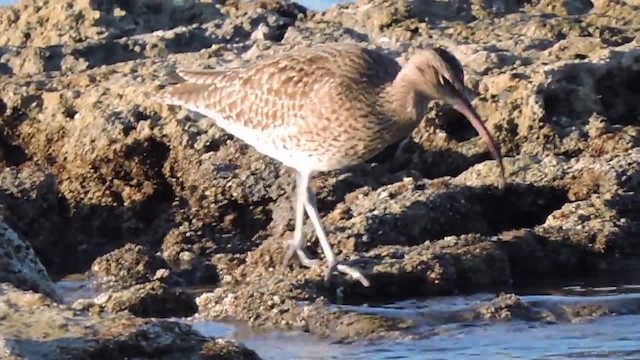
(347, 270)
(294, 248)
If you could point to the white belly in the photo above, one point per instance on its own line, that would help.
(268, 143)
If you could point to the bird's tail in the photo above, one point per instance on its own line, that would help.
(188, 87)
(185, 94)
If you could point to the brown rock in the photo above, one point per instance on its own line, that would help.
(34, 328)
(130, 265)
(152, 299)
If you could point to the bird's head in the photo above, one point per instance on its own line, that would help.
(437, 74)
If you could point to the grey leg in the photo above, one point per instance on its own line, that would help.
(296, 245)
(312, 211)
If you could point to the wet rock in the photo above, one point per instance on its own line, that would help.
(274, 303)
(20, 267)
(153, 299)
(412, 212)
(509, 306)
(219, 349)
(34, 328)
(130, 265)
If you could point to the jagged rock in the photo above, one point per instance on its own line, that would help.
(20, 267)
(130, 265)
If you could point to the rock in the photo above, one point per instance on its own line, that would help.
(91, 163)
(44, 22)
(272, 302)
(34, 328)
(152, 299)
(30, 204)
(288, 9)
(219, 349)
(20, 267)
(509, 306)
(130, 265)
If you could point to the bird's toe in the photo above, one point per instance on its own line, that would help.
(350, 271)
(305, 259)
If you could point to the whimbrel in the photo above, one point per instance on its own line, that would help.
(323, 108)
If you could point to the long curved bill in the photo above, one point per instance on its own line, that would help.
(465, 108)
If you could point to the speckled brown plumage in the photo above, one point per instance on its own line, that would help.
(325, 107)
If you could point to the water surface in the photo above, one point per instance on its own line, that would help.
(604, 337)
(607, 337)
(613, 336)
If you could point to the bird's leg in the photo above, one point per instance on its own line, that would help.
(296, 245)
(312, 210)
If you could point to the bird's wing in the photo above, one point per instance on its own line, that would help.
(306, 91)
(268, 94)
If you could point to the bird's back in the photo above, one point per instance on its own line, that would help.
(315, 107)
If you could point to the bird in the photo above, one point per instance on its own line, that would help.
(324, 107)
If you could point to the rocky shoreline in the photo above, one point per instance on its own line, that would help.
(149, 200)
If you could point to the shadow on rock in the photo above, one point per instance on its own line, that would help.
(578, 91)
(482, 210)
(68, 237)
(432, 238)
(626, 206)
(405, 158)
(584, 239)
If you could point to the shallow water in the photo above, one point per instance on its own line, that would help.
(608, 337)
(604, 337)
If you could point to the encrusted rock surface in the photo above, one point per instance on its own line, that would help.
(93, 169)
(33, 327)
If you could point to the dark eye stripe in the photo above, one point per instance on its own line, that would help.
(443, 79)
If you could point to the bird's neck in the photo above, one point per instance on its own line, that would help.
(403, 102)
